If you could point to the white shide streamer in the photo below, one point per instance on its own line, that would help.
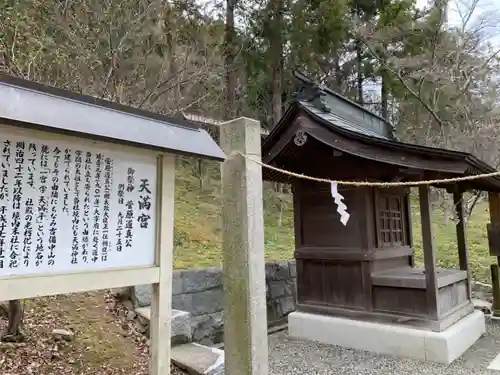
(341, 207)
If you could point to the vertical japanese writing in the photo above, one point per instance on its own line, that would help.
(75, 221)
(108, 173)
(86, 207)
(129, 216)
(54, 198)
(4, 193)
(144, 203)
(28, 231)
(66, 179)
(17, 193)
(42, 207)
(97, 209)
(119, 224)
(31, 158)
(29, 204)
(129, 224)
(130, 179)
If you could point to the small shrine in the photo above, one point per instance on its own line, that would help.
(357, 284)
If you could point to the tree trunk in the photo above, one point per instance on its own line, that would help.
(200, 173)
(15, 315)
(229, 41)
(359, 60)
(359, 72)
(276, 52)
(384, 94)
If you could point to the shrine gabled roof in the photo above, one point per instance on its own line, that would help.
(340, 111)
(32, 105)
(372, 141)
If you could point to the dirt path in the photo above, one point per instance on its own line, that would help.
(104, 344)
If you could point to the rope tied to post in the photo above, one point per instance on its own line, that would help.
(366, 183)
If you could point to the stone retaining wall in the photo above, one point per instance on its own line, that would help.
(199, 291)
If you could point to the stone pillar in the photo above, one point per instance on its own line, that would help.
(245, 316)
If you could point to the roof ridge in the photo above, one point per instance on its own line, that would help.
(314, 92)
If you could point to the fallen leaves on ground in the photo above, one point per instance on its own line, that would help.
(103, 344)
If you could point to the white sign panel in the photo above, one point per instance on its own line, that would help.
(70, 207)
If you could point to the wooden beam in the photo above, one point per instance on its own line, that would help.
(462, 237)
(429, 252)
(494, 202)
(494, 245)
(19, 287)
(493, 227)
(161, 301)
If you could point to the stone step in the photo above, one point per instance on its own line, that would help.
(181, 324)
(198, 359)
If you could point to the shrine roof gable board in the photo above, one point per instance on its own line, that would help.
(326, 124)
(36, 106)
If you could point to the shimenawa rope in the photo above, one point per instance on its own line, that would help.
(366, 183)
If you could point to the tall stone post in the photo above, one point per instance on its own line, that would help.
(245, 317)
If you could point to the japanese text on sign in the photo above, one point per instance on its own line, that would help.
(69, 207)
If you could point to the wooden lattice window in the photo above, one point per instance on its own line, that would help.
(391, 220)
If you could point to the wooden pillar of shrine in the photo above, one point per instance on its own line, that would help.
(463, 257)
(429, 252)
(493, 228)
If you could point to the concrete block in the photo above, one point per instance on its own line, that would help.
(199, 359)
(447, 346)
(442, 347)
(277, 271)
(181, 332)
(293, 268)
(199, 280)
(208, 329)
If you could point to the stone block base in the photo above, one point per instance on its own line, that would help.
(442, 347)
(180, 332)
(198, 359)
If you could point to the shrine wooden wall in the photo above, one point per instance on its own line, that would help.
(335, 262)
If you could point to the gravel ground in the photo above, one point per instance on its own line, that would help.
(289, 356)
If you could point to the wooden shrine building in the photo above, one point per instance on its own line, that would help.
(364, 271)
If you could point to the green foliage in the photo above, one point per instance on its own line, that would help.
(197, 235)
(446, 244)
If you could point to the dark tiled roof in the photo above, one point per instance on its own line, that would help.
(340, 111)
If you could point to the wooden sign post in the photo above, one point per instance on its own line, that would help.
(87, 203)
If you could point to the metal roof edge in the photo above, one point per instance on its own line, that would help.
(388, 142)
(43, 89)
(26, 106)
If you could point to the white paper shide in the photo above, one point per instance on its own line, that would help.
(70, 207)
(341, 206)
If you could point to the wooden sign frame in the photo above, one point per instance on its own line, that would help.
(159, 274)
(48, 113)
